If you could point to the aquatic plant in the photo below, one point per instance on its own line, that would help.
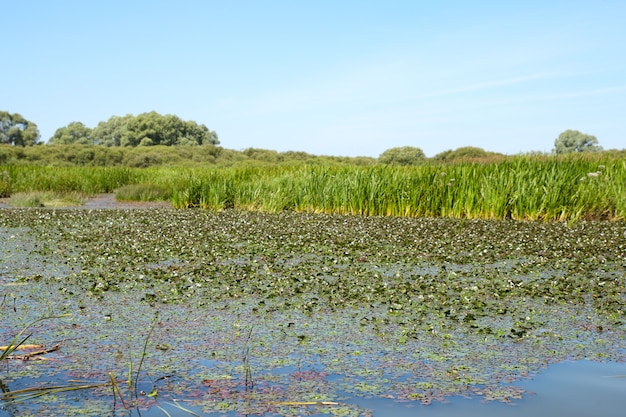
(143, 192)
(522, 187)
(342, 307)
(46, 199)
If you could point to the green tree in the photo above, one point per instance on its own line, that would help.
(404, 155)
(75, 132)
(16, 130)
(148, 129)
(111, 132)
(575, 141)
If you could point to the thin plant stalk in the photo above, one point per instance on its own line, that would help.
(249, 383)
(31, 393)
(116, 390)
(18, 340)
(143, 356)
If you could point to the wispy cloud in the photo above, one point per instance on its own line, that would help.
(587, 93)
(485, 85)
(542, 98)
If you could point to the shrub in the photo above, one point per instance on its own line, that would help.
(404, 155)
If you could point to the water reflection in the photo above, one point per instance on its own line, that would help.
(9, 409)
(567, 389)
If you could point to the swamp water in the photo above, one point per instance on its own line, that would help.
(238, 313)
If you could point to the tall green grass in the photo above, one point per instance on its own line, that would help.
(86, 180)
(517, 188)
(523, 187)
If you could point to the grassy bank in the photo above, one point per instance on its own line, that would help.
(534, 188)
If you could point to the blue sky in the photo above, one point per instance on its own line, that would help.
(336, 77)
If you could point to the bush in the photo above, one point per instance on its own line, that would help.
(405, 155)
(467, 153)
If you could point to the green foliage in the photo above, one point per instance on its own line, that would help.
(575, 141)
(26, 200)
(466, 153)
(111, 132)
(144, 192)
(46, 199)
(146, 129)
(75, 132)
(519, 188)
(404, 155)
(5, 184)
(263, 155)
(548, 188)
(160, 155)
(84, 180)
(149, 129)
(16, 130)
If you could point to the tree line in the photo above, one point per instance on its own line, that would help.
(145, 129)
(152, 128)
(570, 141)
(16, 130)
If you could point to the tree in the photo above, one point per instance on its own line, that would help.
(16, 130)
(111, 132)
(575, 141)
(75, 132)
(404, 155)
(152, 128)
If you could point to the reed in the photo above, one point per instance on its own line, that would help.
(517, 188)
(133, 401)
(20, 338)
(46, 199)
(143, 192)
(27, 394)
(523, 187)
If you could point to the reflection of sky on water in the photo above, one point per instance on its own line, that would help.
(567, 389)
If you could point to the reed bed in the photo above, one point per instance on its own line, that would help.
(519, 188)
(523, 187)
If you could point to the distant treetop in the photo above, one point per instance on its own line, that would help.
(575, 141)
(145, 129)
(16, 130)
(75, 132)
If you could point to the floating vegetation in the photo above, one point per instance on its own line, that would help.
(295, 314)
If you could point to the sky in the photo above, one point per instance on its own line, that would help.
(327, 77)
